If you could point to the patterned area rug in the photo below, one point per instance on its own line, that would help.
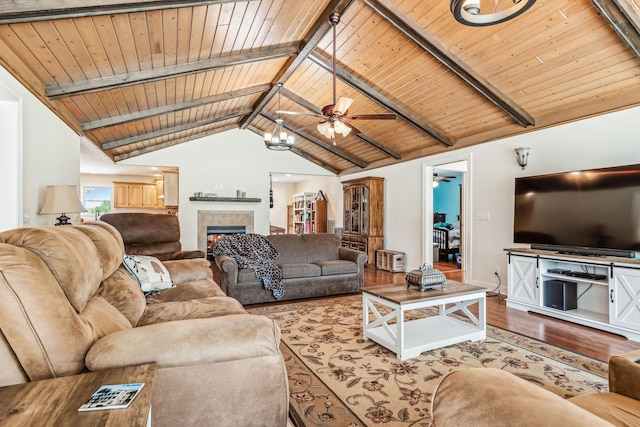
(338, 379)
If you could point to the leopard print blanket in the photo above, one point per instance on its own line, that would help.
(256, 252)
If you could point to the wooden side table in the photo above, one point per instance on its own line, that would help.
(55, 402)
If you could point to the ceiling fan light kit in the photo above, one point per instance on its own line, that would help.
(469, 12)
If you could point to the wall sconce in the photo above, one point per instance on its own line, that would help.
(61, 199)
(522, 155)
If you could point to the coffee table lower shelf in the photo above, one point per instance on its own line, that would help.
(426, 334)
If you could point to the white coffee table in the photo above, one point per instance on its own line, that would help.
(410, 338)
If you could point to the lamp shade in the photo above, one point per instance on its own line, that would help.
(61, 199)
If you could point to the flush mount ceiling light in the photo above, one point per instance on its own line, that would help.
(278, 139)
(470, 12)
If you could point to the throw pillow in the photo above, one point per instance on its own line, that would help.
(150, 273)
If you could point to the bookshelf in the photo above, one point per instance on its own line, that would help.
(309, 214)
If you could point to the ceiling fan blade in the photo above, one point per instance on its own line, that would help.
(387, 116)
(342, 105)
(298, 113)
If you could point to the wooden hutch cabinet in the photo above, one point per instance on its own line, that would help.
(364, 215)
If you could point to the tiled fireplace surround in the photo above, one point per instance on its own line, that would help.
(209, 218)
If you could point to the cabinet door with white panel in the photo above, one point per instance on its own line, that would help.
(624, 297)
(523, 283)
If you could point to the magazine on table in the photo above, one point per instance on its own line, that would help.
(113, 396)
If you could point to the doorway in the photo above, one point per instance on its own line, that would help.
(446, 210)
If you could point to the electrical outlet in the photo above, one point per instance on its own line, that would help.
(496, 271)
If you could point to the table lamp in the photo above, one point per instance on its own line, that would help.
(61, 199)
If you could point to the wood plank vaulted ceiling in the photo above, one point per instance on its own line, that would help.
(139, 76)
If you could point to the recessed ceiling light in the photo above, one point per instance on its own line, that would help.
(563, 14)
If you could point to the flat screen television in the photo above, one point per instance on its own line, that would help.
(589, 212)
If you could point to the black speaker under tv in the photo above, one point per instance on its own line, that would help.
(588, 212)
(560, 294)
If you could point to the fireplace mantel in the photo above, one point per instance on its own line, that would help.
(226, 199)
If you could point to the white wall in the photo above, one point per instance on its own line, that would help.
(10, 159)
(235, 160)
(51, 152)
(602, 141)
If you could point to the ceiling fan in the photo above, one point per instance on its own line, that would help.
(334, 116)
(445, 178)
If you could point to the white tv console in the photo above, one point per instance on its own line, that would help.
(608, 300)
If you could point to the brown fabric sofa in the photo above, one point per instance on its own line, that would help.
(67, 305)
(492, 397)
(312, 265)
(156, 235)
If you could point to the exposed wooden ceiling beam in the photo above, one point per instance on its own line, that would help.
(301, 153)
(145, 76)
(173, 142)
(12, 12)
(426, 41)
(623, 20)
(174, 129)
(322, 144)
(376, 144)
(320, 29)
(381, 99)
(130, 117)
(317, 110)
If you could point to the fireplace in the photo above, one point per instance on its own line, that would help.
(222, 222)
(214, 232)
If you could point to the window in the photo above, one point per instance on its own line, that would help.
(97, 200)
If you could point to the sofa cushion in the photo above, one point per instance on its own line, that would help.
(291, 271)
(123, 292)
(247, 275)
(292, 249)
(203, 308)
(617, 409)
(69, 255)
(194, 289)
(329, 268)
(322, 247)
(150, 273)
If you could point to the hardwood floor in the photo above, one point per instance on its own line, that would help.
(580, 339)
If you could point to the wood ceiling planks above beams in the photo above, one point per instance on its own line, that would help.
(422, 38)
(322, 144)
(623, 20)
(130, 117)
(317, 110)
(174, 129)
(320, 29)
(130, 154)
(381, 99)
(12, 12)
(163, 73)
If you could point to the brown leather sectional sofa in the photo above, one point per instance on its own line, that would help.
(67, 305)
(492, 397)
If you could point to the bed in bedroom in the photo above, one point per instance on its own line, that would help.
(446, 236)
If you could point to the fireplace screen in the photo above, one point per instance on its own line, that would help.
(214, 232)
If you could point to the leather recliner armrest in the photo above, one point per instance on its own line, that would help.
(187, 342)
(187, 255)
(185, 270)
(624, 374)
